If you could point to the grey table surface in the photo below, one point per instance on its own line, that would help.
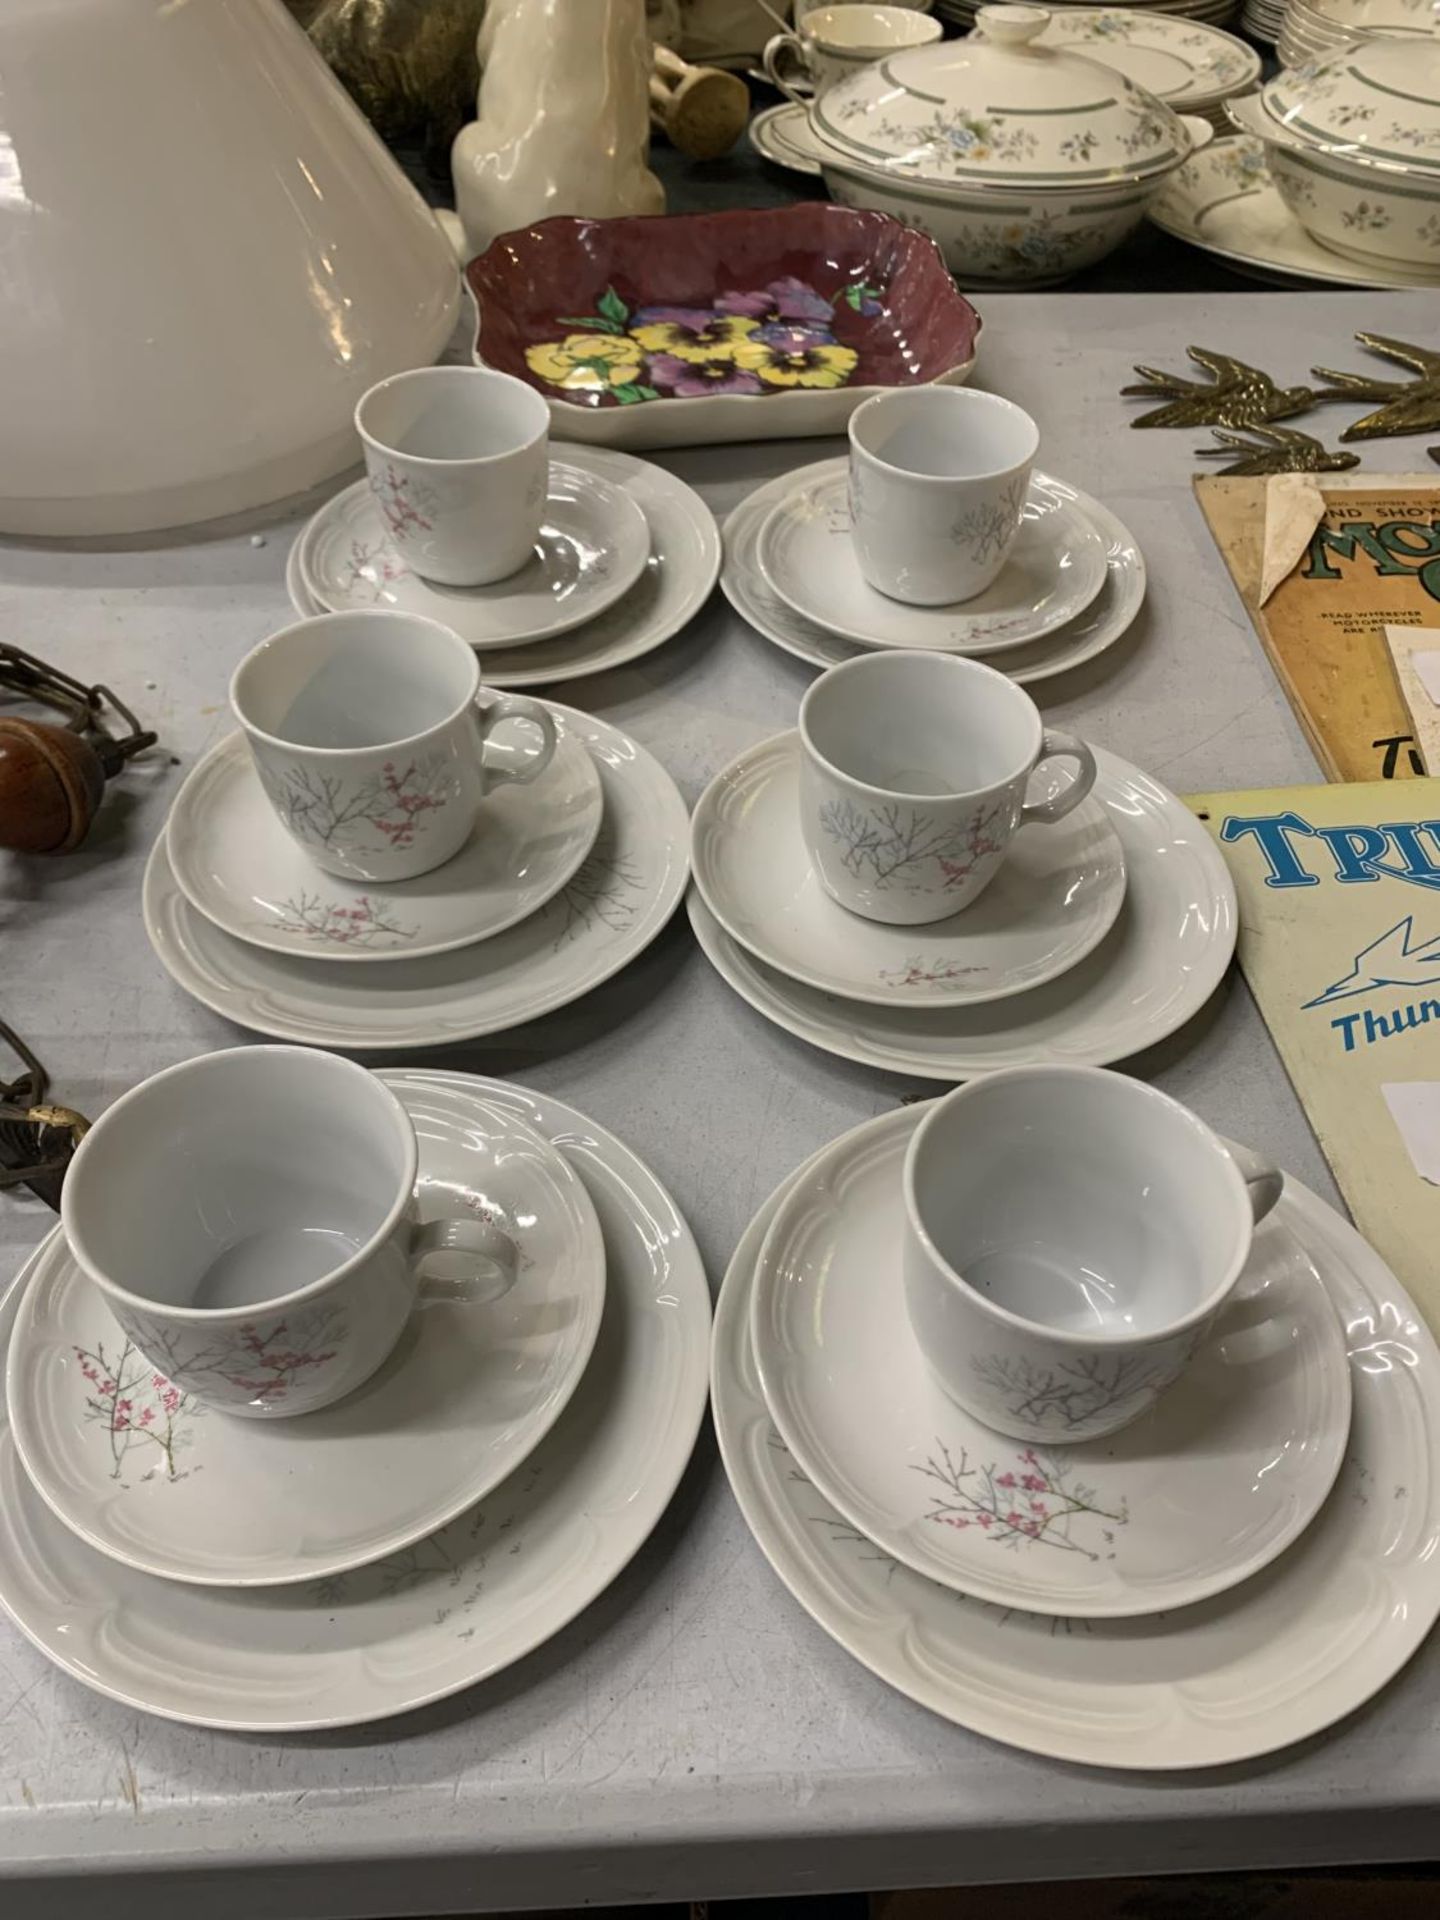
(693, 1732)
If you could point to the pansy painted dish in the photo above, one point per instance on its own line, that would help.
(671, 330)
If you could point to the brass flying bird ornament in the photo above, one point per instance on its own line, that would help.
(1409, 406)
(1274, 450)
(1236, 395)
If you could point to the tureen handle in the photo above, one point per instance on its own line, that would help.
(1004, 26)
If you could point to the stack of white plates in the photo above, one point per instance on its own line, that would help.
(493, 1477)
(1310, 29)
(1262, 19)
(1216, 13)
(1044, 1594)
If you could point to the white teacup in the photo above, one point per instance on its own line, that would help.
(459, 460)
(369, 743)
(913, 770)
(938, 481)
(248, 1216)
(834, 42)
(1070, 1234)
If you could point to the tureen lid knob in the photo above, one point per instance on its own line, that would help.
(1006, 26)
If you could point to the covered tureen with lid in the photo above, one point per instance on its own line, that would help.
(1353, 144)
(1026, 162)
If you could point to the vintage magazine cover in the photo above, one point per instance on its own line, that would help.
(1339, 890)
(1352, 554)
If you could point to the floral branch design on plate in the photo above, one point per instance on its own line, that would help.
(1037, 1502)
(759, 341)
(609, 888)
(446, 1564)
(984, 531)
(896, 845)
(368, 570)
(1068, 1396)
(263, 1363)
(840, 1533)
(407, 503)
(136, 1408)
(381, 812)
(362, 924)
(918, 972)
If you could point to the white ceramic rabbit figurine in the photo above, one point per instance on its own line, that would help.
(563, 117)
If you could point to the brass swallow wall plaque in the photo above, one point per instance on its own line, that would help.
(1236, 395)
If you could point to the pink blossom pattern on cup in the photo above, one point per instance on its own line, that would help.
(1038, 1501)
(251, 1365)
(407, 503)
(1073, 1394)
(901, 846)
(139, 1411)
(380, 813)
(362, 922)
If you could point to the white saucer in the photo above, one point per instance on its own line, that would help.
(781, 135)
(1054, 900)
(682, 568)
(592, 549)
(456, 1607)
(614, 907)
(467, 1395)
(1103, 622)
(1223, 202)
(1056, 568)
(1228, 1467)
(1164, 957)
(1274, 1661)
(238, 866)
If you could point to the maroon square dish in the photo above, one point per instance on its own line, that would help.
(680, 329)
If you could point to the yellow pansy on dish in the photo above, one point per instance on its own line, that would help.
(586, 362)
(696, 334)
(791, 357)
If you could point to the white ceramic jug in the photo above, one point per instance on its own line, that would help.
(563, 117)
(206, 257)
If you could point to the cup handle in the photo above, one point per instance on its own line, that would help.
(493, 1251)
(1263, 1182)
(1056, 744)
(513, 764)
(779, 45)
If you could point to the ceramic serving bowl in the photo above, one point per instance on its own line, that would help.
(1353, 146)
(755, 324)
(1025, 162)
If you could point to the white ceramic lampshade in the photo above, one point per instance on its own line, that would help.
(206, 256)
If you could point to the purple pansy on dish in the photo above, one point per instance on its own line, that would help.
(690, 380)
(786, 301)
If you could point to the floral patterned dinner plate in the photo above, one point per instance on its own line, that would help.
(1224, 202)
(1276, 1660)
(610, 911)
(1227, 1468)
(461, 1604)
(1056, 567)
(236, 864)
(1056, 897)
(593, 545)
(135, 1467)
